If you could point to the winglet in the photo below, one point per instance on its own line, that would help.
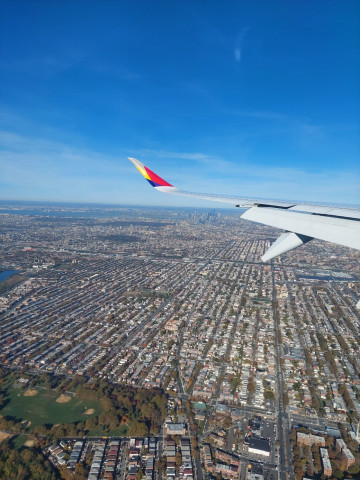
(150, 176)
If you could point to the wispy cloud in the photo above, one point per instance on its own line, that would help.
(239, 43)
(174, 155)
(33, 167)
(39, 168)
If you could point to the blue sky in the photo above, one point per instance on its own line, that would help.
(252, 98)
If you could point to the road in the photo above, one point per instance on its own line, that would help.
(282, 417)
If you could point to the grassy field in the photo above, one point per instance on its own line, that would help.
(116, 432)
(19, 441)
(43, 409)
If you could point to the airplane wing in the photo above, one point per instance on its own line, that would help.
(301, 221)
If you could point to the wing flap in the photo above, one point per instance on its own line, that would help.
(332, 229)
(328, 210)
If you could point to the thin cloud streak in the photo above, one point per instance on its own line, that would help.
(239, 44)
(266, 115)
(175, 155)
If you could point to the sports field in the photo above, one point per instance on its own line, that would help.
(42, 408)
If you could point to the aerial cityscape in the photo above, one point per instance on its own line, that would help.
(179, 240)
(140, 342)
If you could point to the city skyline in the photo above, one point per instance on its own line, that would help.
(250, 99)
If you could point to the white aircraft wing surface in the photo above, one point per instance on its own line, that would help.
(301, 221)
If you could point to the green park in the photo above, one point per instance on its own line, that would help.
(47, 407)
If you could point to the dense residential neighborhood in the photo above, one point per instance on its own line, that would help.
(259, 362)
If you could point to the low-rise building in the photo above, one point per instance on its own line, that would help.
(175, 429)
(309, 439)
(259, 446)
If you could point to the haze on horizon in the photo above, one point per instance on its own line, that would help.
(245, 98)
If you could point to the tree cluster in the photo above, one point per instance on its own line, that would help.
(138, 411)
(27, 464)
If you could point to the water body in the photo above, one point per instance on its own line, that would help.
(6, 274)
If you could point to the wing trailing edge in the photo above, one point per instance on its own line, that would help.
(301, 221)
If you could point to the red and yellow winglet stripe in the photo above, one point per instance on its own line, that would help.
(150, 176)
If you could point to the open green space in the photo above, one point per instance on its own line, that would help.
(115, 432)
(43, 409)
(62, 266)
(11, 282)
(19, 441)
